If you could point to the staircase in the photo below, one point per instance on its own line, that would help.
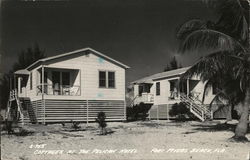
(13, 114)
(196, 107)
(28, 111)
(21, 107)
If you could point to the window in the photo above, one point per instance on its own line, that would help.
(106, 79)
(31, 81)
(140, 90)
(172, 85)
(111, 79)
(102, 79)
(158, 90)
(65, 78)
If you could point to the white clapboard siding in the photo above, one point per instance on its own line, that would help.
(89, 67)
(85, 69)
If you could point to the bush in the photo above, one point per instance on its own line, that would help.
(180, 111)
(102, 123)
(139, 111)
(9, 127)
(75, 125)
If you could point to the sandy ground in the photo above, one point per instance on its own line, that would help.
(133, 140)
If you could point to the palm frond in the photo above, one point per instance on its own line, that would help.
(234, 15)
(190, 26)
(209, 39)
(209, 66)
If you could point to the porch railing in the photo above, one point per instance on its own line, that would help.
(66, 90)
(145, 98)
(174, 95)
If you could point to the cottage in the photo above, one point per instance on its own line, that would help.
(72, 86)
(163, 90)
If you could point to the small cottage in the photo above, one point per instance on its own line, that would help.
(73, 86)
(163, 90)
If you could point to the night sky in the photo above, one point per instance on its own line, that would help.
(139, 33)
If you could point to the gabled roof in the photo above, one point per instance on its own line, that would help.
(162, 75)
(77, 51)
(22, 71)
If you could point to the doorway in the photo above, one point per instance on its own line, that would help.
(56, 82)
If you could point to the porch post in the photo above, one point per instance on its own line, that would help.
(14, 81)
(43, 103)
(187, 87)
(178, 89)
(19, 88)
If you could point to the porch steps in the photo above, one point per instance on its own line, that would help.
(14, 109)
(196, 107)
(20, 109)
(28, 111)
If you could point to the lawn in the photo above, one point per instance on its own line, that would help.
(132, 140)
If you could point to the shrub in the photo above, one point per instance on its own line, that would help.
(180, 111)
(102, 123)
(1, 119)
(75, 125)
(139, 111)
(24, 132)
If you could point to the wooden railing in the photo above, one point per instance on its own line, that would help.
(199, 110)
(66, 90)
(14, 97)
(145, 98)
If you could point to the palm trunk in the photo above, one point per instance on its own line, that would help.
(242, 127)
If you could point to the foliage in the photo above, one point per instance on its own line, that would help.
(139, 111)
(75, 125)
(228, 63)
(8, 126)
(25, 58)
(24, 132)
(4, 90)
(102, 123)
(181, 111)
(173, 64)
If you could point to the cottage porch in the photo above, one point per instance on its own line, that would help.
(50, 82)
(59, 82)
(186, 87)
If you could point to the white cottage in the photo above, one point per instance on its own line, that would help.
(72, 86)
(164, 89)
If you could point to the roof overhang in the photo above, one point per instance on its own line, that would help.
(162, 75)
(22, 72)
(41, 61)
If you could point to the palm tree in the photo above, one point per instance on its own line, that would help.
(228, 62)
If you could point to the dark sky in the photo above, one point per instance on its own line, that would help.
(139, 33)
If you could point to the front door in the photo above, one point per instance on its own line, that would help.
(56, 83)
